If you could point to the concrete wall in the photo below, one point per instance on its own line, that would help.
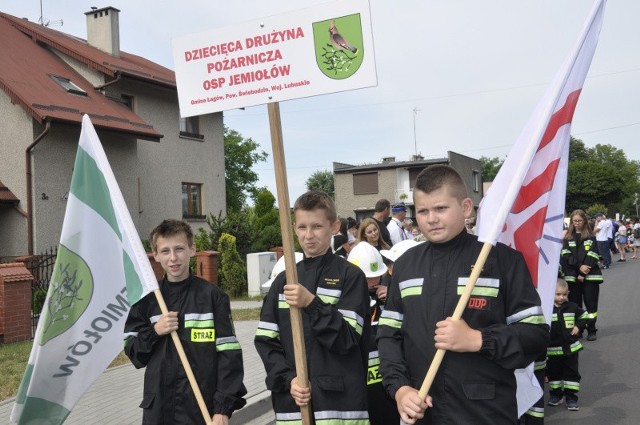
(13, 232)
(465, 166)
(53, 160)
(16, 134)
(347, 203)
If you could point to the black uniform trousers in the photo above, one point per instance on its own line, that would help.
(589, 292)
(564, 369)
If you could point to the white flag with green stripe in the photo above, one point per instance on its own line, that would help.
(101, 270)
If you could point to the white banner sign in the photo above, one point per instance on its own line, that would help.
(324, 49)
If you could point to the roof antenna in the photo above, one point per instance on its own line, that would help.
(45, 22)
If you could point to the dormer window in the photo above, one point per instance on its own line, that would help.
(68, 85)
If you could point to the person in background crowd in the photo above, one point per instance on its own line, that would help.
(417, 235)
(352, 229)
(381, 213)
(382, 409)
(407, 225)
(370, 232)
(612, 235)
(635, 234)
(621, 240)
(603, 237)
(339, 241)
(579, 259)
(468, 224)
(396, 224)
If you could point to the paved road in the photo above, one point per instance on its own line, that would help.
(610, 374)
(610, 388)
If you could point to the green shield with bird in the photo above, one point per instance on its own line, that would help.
(339, 46)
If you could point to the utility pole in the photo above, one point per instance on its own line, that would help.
(415, 139)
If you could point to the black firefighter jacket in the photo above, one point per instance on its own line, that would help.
(563, 320)
(469, 388)
(336, 326)
(207, 335)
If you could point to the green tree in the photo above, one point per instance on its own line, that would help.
(321, 180)
(578, 151)
(599, 178)
(240, 155)
(490, 167)
(590, 182)
(237, 223)
(596, 208)
(233, 272)
(601, 175)
(267, 222)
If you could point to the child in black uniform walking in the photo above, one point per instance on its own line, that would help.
(567, 323)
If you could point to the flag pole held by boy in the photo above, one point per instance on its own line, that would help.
(101, 270)
(525, 206)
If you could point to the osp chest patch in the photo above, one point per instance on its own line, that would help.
(203, 335)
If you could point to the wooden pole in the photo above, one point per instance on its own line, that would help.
(288, 249)
(185, 362)
(457, 314)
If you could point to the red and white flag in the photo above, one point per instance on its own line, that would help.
(524, 207)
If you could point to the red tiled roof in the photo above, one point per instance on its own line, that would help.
(27, 67)
(6, 196)
(94, 58)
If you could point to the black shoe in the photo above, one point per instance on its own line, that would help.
(572, 405)
(622, 260)
(591, 336)
(554, 400)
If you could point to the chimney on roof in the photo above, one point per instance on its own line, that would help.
(103, 29)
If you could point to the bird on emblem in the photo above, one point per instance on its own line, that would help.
(338, 40)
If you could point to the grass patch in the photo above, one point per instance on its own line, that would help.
(120, 360)
(246, 314)
(248, 298)
(13, 358)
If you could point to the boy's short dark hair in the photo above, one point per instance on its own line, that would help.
(169, 228)
(382, 205)
(437, 176)
(316, 200)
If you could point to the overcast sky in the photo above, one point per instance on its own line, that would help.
(474, 70)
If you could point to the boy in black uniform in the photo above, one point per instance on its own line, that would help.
(334, 300)
(502, 329)
(567, 323)
(200, 313)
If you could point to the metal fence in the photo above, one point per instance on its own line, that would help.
(41, 267)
